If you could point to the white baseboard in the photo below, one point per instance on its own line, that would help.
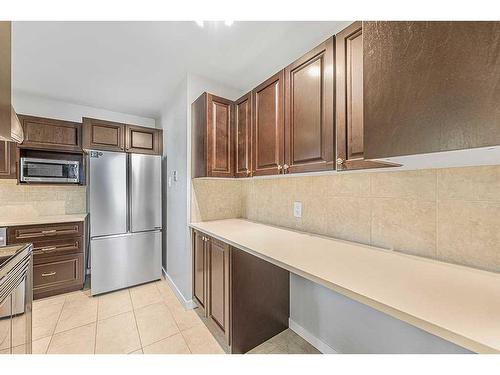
(310, 338)
(188, 304)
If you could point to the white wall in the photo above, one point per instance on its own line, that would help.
(27, 104)
(176, 123)
(335, 323)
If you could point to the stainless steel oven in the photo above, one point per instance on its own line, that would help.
(49, 170)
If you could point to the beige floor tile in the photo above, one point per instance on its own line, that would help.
(171, 345)
(155, 322)
(115, 303)
(144, 295)
(117, 334)
(184, 318)
(44, 319)
(40, 346)
(167, 294)
(40, 303)
(200, 341)
(78, 310)
(264, 348)
(139, 351)
(79, 340)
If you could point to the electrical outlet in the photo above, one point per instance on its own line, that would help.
(297, 209)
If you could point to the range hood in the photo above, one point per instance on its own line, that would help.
(10, 127)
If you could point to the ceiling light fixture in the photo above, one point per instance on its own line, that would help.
(200, 23)
(228, 23)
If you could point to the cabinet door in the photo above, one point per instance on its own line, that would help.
(268, 126)
(309, 111)
(219, 146)
(143, 140)
(8, 160)
(103, 135)
(430, 86)
(51, 134)
(199, 275)
(349, 101)
(218, 284)
(243, 134)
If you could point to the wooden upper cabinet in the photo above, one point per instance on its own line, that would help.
(268, 126)
(144, 140)
(243, 135)
(309, 111)
(8, 160)
(50, 134)
(430, 86)
(213, 150)
(349, 101)
(103, 135)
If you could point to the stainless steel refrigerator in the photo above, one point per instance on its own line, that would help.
(124, 198)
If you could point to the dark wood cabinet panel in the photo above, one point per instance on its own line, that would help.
(430, 86)
(103, 135)
(49, 248)
(218, 284)
(41, 232)
(309, 111)
(51, 134)
(219, 137)
(199, 268)
(349, 101)
(212, 137)
(243, 135)
(58, 274)
(144, 140)
(268, 126)
(58, 255)
(260, 300)
(8, 157)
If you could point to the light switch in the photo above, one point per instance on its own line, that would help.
(297, 209)
(170, 182)
(175, 176)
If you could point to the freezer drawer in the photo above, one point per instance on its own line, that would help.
(145, 192)
(121, 261)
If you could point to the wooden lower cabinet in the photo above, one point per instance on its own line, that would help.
(244, 298)
(199, 268)
(218, 284)
(58, 255)
(56, 275)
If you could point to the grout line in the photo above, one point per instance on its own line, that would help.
(55, 326)
(135, 320)
(436, 254)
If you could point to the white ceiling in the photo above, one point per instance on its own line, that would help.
(133, 67)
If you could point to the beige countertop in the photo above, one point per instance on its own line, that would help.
(459, 304)
(30, 220)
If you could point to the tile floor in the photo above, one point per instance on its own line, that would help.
(146, 319)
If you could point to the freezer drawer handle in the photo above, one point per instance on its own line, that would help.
(49, 274)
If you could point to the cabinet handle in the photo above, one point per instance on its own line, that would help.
(280, 167)
(49, 274)
(48, 249)
(49, 231)
(249, 172)
(285, 167)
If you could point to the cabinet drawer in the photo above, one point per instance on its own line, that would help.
(34, 233)
(50, 248)
(57, 275)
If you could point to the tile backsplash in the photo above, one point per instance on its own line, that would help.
(449, 214)
(24, 201)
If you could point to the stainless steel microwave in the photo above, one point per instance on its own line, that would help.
(49, 170)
